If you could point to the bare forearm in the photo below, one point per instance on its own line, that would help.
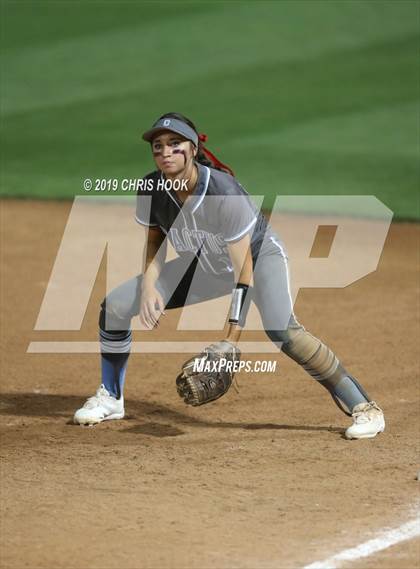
(152, 272)
(234, 333)
(155, 259)
(246, 275)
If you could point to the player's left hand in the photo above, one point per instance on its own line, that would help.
(208, 375)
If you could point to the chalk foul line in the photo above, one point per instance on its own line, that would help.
(388, 538)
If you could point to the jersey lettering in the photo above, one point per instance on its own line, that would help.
(193, 239)
(187, 239)
(176, 241)
(217, 213)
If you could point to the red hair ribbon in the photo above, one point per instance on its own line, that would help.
(212, 157)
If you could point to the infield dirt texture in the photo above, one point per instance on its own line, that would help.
(304, 97)
(259, 479)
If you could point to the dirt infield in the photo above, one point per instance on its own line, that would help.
(262, 478)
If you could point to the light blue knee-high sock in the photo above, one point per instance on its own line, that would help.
(114, 367)
(115, 348)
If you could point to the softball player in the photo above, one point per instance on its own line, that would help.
(225, 246)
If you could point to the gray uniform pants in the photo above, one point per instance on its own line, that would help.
(183, 281)
(271, 292)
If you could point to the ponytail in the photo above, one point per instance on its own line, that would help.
(204, 156)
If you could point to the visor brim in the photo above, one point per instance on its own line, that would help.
(149, 135)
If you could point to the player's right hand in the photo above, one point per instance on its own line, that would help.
(151, 307)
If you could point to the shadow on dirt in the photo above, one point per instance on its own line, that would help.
(274, 426)
(38, 404)
(159, 430)
(157, 415)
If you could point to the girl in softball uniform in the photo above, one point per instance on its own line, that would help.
(225, 246)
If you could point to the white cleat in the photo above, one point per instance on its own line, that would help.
(100, 407)
(368, 421)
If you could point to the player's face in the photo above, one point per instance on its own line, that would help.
(172, 153)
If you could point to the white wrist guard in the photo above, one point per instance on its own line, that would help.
(241, 301)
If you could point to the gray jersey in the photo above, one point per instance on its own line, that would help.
(220, 211)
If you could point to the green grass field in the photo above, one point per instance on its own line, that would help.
(299, 97)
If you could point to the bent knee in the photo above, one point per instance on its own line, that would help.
(279, 336)
(294, 330)
(113, 310)
(296, 342)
